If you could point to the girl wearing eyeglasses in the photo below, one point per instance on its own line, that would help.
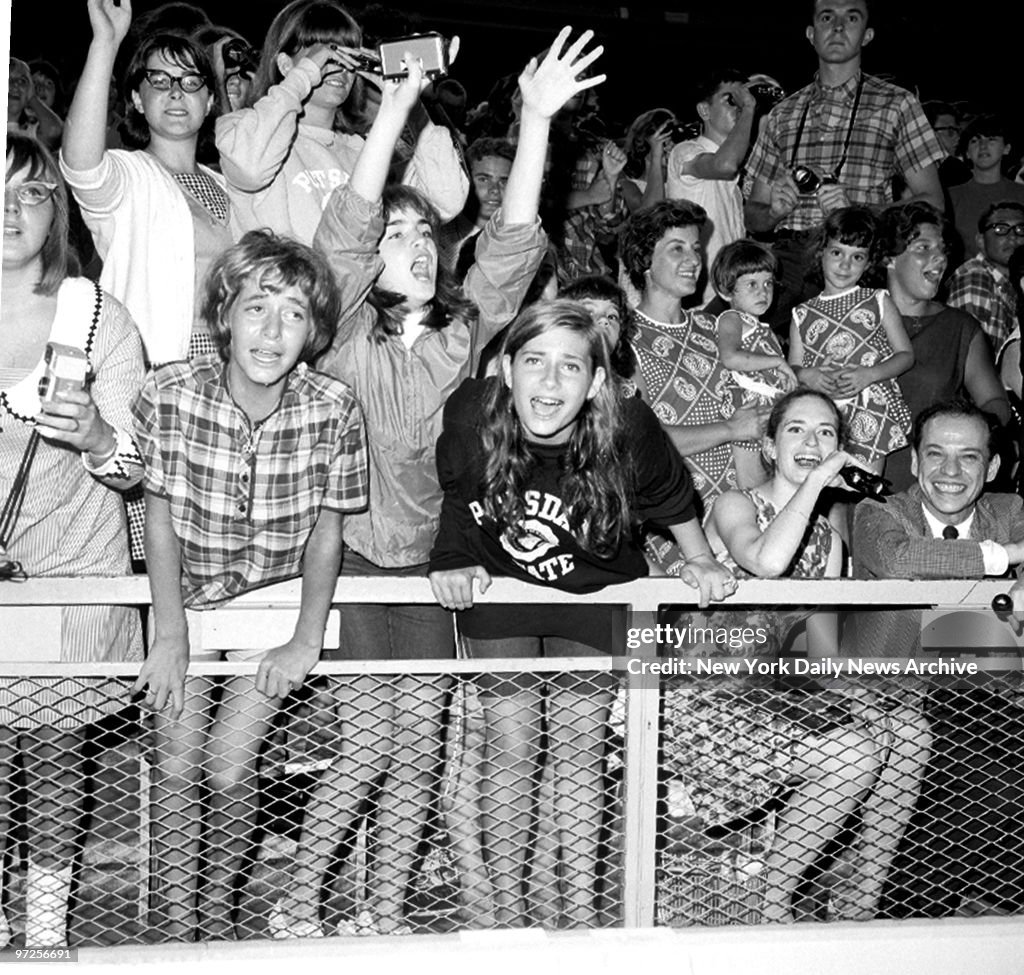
(159, 218)
(70, 523)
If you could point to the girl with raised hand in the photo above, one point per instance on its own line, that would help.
(548, 473)
(783, 527)
(410, 339)
(159, 218)
(285, 153)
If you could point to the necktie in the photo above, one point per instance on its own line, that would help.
(950, 532)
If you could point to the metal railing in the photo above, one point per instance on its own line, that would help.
(656, 843)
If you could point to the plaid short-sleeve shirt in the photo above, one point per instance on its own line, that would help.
(986, 292)
(890, 136)
(245, 497)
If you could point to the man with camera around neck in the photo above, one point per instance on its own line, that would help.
(838, 141)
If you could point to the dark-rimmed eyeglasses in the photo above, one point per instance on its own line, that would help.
(1002, 229)
(31, 193)
(162, 81)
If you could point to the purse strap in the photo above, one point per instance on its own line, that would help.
(12, 506)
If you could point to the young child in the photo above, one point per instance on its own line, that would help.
(409, 340)
(251, 459)
(743, 274)
(849, 341)
(546, 473)
(283, 156)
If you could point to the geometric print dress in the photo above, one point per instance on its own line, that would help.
(688, 386)
(846, 329)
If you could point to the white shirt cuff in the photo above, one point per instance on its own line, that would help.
(996, 559)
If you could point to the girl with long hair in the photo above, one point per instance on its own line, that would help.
(548, 473)
(409, 339)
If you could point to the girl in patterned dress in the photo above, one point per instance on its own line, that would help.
(736, 744)
(743, 274)
(849, 341)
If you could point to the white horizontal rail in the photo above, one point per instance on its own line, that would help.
(644, 594)
(376, 668)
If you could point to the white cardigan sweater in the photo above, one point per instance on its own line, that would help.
(142, 227)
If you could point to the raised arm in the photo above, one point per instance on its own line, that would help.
(50, 125)
(85, 130)
(436, 169)
(255, 142)
(769, 553)
(370, 173)
(726, 162)
(545, 86)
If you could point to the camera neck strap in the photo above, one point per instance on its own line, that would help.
(849, 130)
(12, 505)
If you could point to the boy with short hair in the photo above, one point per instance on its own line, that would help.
(490, 162)
(985, 143)
(706, 170)
(252, 459)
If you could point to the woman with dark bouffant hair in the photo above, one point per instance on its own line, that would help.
(548, 473)
(952, 355)
(158, 217)
(680, 373)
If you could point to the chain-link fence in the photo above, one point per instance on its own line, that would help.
(431, 797)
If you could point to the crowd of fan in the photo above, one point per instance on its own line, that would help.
(336, 323)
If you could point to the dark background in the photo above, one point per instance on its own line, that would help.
(972, 53)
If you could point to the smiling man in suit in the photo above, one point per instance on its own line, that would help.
(946, 526)
(966, 845)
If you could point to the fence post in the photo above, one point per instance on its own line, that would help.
(641, 782)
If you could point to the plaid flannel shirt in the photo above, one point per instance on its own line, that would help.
(983, 290)
(890, 136)
(245, 497)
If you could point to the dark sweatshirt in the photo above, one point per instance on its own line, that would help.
(547, 553)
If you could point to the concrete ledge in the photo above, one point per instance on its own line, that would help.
(955, 946)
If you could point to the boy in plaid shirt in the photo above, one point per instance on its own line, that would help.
(252, 459)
